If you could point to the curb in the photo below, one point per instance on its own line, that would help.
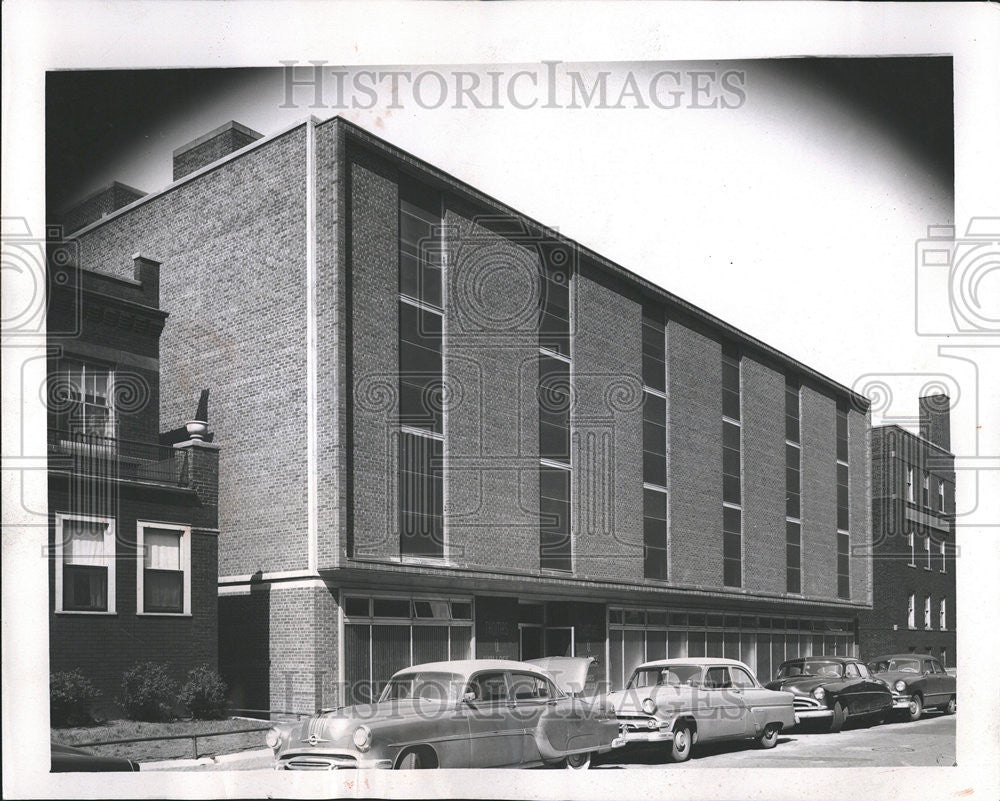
(221, 759)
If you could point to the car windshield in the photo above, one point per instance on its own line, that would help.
(903, 665)
(673, 676)
(811, 667)
(429, 686)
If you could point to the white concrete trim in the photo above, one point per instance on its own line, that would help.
(312, 449)
(278, 575)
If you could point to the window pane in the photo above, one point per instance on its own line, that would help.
(85, 588)
(430, 644)
(84, 543)
(421, 496)
(616, 668)
(461, 642)
(654, 468)
(356, 606)
(357, 664)
(163, 549)
(163, 591)
(392, 607)
(390, 652)
(731, 489)
(461, 610)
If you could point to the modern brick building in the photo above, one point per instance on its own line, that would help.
(133, 539)
(913, 514)
(448, 431)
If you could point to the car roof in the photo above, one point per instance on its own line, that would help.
(829, 657)
(704, 661)
(466, 667)
(903, 656)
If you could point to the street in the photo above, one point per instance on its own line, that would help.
(929, 742)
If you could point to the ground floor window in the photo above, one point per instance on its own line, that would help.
(385, 634)
(85, 564)
(763, 643)
(163, 576)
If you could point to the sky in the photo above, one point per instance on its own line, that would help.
(785, 196)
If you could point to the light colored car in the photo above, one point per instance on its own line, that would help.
(684, 702)
(475, 713)
(918, 682)
(574, 675)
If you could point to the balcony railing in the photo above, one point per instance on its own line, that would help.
(111, 458)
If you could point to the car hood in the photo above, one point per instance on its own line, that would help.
(337, 726)
(804, 685)
(629, 702)
(890, 677)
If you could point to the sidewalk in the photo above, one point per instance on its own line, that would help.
(259, 759)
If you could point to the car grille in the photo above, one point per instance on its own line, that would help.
(807, 703)
(311, 762)
(637, 724)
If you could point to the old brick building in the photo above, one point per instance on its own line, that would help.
(133, 538)
(448, 431)
(913, 497)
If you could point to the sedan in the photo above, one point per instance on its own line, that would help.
(917, 682)
(683, 702)
(833, 689)
(67, 759)
(475, 713)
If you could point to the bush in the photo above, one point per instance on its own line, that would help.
(148, 693)
(71, 697)
(204, 694)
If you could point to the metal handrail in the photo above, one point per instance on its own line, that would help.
(111, 457)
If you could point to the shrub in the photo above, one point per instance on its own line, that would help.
(204, 694)
(71, 696)
(148, 693)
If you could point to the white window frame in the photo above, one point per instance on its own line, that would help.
(925, 496)
(944, 558)
(909, 484)
(911, 612)
(109, 556)
(912, 542)
(927, 613)
(940, 495)
(927, 551)
(140, 549)
(942, 615)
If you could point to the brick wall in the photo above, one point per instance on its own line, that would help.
(232, 247)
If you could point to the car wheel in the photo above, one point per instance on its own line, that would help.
(949, 708)
(412, 761)
(769, 737)
(680, 745)
(578, 761)
(916, 708)
(839, 716)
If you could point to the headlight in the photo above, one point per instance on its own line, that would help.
(900, 686)
(362, 738)
(648, 706)
(273, 737)
(819, 693)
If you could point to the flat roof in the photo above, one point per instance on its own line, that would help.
(912, 435)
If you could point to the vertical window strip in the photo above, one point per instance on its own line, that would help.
(843, 505)
(732, 470)
(793, 488)
(421, 422)
(654, 445)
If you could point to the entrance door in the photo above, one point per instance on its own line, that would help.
(531, 641)
(559, 641)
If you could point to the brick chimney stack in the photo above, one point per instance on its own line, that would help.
(935, 420)
(212, 146)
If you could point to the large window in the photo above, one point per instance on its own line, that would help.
(925, 492)
(793, 489)
(927, 612)
(732, 471)
(86, 399)
(555, 473)
(385, 634)
(421, 392)
(942, 616)
(940, 495)
(85, 564)
(654, 445)
(911, 619)
(843, 507)
(163, 581)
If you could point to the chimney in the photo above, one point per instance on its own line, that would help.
(98, 204)
(211, 147)
(935, 420)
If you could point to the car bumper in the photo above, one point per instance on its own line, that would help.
(812, 714)
(309, 760)
(900, 702)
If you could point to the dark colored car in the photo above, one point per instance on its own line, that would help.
(833, 689)
(917, 682)
(67, 759)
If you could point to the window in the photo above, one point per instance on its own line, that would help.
(793, 489)
(944, 558)
(654, 444)
(843, 506)
(717, 678)
(843, 564)
(793, 557)
(792, 412)
(553, 409)
(654, 532)
(555, 539)
(911, 613)
(420, 372)
(911, 541)
(528, 687)
(942, 616)
(164, 569)
(488, 688)
(86, 399)
(742, 679)
(851, 671)
(421, 495)
(944, 658)
(925, 495)
(842, 435)
(732, 470)
(85, 564)
(927, 612)
(909, 484)
(927, 549)
(419, 248)
(940, 495)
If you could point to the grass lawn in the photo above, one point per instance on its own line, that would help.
(219, 742)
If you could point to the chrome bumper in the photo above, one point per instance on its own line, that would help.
(811, 714)
(899, 702)
(328, 761)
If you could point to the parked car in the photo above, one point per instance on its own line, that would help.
(833, 689)
(917, 682)
(67, 759)
(684, 702)
(476, 713)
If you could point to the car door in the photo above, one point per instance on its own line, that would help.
(936, 682)
(759, 703)
(854, 696)
(876, 694)
(531, 697)
(494, 733)
(725, 713)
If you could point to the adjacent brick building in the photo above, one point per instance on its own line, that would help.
(913, 514)
(448, 431)
(133, 540)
